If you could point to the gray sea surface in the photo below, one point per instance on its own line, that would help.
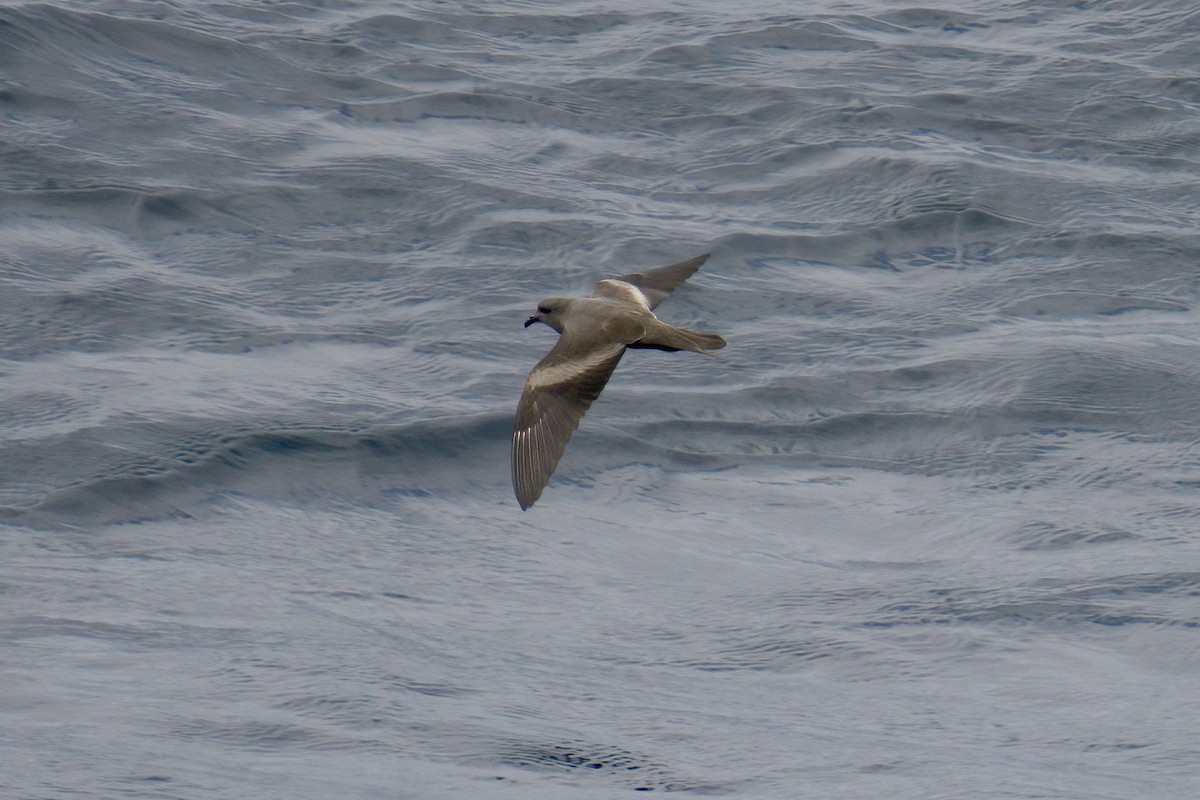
(928, 528)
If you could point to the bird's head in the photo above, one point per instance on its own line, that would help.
(550, 312)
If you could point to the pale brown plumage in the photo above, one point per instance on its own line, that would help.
(594, 333)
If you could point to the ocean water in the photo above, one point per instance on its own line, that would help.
(928, 528)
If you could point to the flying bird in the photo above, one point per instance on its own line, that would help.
(594, 333)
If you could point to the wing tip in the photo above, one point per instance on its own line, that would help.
(525, 479)
(526, 496)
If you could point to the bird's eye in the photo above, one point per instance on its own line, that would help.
(543, 310)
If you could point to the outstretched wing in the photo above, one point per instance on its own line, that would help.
(654, 284)
(558, 392)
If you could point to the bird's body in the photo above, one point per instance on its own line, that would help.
(594, 333)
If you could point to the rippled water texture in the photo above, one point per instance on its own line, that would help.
(927, 528)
